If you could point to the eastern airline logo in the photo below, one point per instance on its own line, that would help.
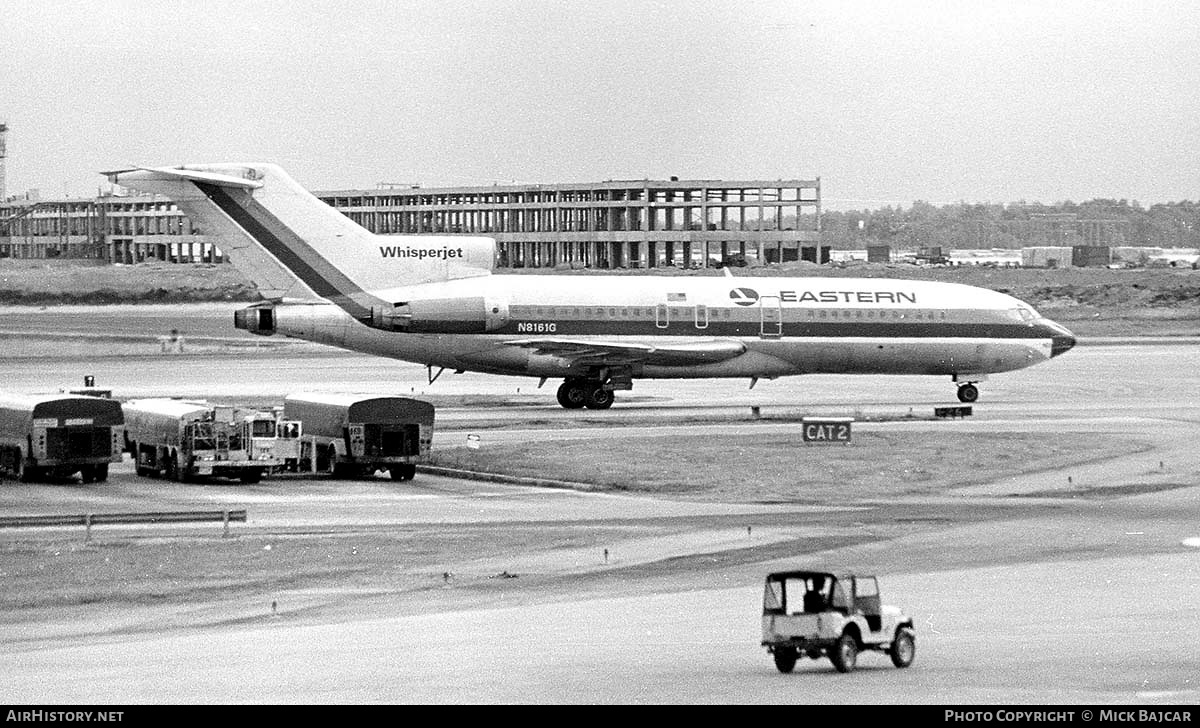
(744, 296)
(749, 296)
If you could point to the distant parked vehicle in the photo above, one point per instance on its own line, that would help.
(272, 440)
(59, 435)
(184, 440)
(819, 614)
(355, 435)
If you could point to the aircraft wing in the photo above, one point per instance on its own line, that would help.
(610, 353)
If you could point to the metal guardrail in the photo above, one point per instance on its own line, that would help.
(96, 519)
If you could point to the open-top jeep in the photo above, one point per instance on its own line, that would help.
(815, 613)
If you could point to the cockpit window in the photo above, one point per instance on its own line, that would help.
(1026, 314)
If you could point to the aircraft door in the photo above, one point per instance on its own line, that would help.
(662, 315)
(771, 317)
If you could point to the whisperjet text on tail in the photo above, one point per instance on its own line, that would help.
(433, 300)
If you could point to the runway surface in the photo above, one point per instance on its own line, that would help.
(1067, 586)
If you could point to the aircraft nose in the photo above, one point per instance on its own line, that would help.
(1061, 342)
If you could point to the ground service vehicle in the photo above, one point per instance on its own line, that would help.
(355, 435)
(273, 441)
(59, 435)
(816, 613)
(184, 440)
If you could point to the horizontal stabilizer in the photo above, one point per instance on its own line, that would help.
(252, 180)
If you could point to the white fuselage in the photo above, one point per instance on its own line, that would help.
(786, 325)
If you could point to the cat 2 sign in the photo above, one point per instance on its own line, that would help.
(826, 429)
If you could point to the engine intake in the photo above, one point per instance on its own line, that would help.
(258, 319)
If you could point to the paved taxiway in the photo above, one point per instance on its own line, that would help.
(1067, 597)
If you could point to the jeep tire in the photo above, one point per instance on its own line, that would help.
(904, 648)
(785, 658)
(844, 654)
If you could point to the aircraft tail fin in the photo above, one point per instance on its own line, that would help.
(291, 244)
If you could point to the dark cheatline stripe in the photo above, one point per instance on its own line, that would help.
(847, 329)
(330, 284)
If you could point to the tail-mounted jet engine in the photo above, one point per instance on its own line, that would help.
(257, 319)
(442, 316)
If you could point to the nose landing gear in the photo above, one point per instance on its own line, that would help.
(968, 392)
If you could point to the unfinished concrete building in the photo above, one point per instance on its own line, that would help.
(613, 224)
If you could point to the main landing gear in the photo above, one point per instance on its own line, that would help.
(577, 392)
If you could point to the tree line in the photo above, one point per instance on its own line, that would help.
(1016, 225)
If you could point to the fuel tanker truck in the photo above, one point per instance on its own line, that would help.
(59, 435)
(354, 435)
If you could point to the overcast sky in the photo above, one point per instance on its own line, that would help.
(887, 102)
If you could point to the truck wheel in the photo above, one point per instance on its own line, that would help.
(785, 659)
(25, 474)
(904, 647)
(250, 476)
(87, 474)
(844, 654)
(100, 473)
(403, 472)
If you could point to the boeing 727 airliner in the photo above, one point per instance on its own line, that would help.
(433, 300)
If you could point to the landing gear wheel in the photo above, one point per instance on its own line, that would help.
(100, 473)
(904, 648)
(572, 394)
(844, 654)
(403, 472)
(599, 398)
(87, 474)
(785, 659)
(968, 393)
